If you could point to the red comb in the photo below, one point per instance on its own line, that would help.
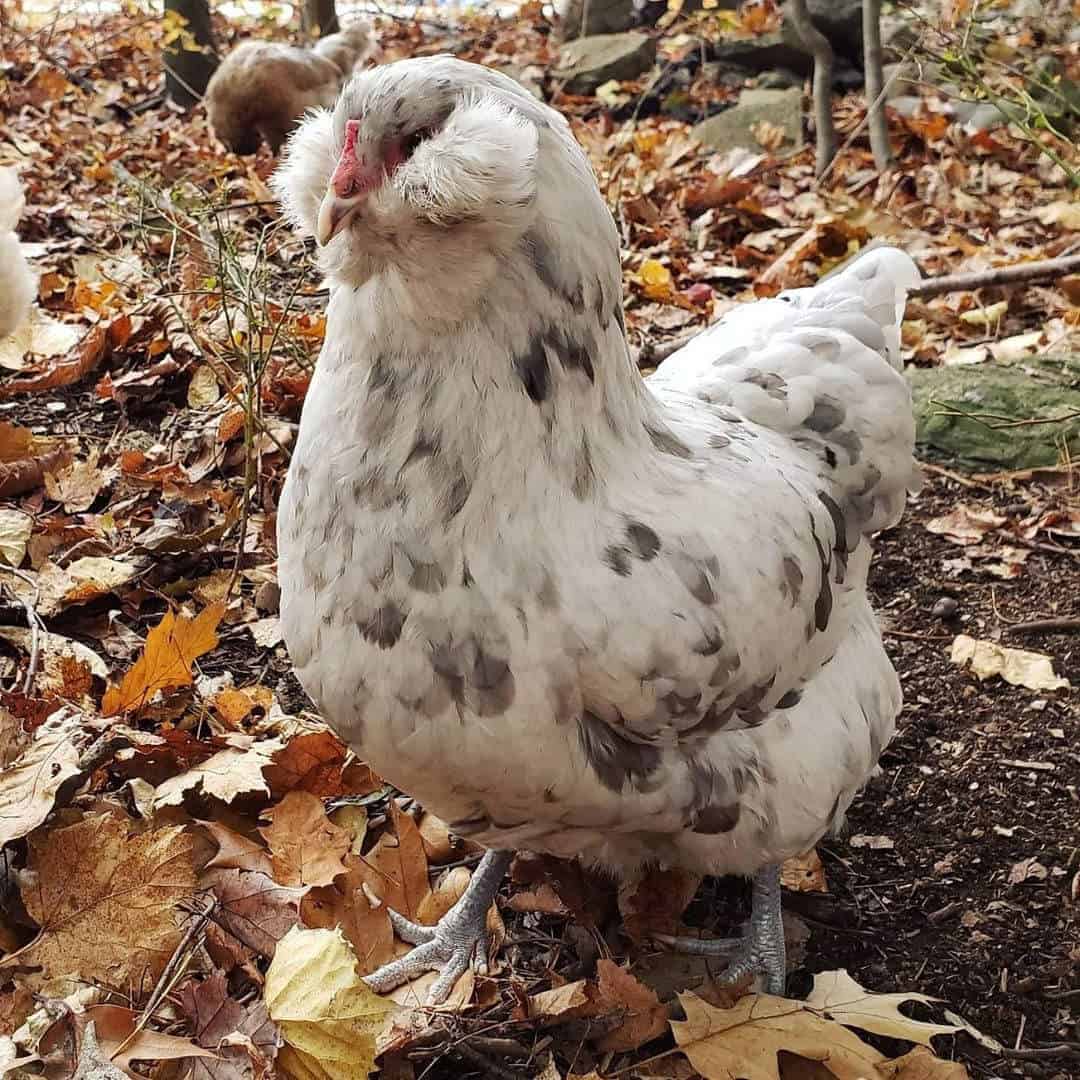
(352, 130)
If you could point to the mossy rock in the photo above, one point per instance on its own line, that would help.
(997, 395)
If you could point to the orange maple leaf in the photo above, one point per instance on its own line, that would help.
(171, 649)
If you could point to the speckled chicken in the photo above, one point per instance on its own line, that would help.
(569, 610)
(262, 88)
(18, 283)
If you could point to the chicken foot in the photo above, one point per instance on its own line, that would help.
(762, 951)
(459, 938)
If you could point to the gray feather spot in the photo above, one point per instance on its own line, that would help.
(614, 758)
(532, 368)
(643, 539)
(666, 442)
(711, 642)
(617, 558)
(849, 441)
(543, 262)
(427, 577)
(694, 575)
(774, 385)
(548, 596)
(584, 473)
(824, 602)
(828, 413)
(470, 826)
(426, 446)
(725, 668)
(384, 627)
(457, 496)
(718, 442)
(716, 819)
(682, 704)
(790, 699)
(793, 578)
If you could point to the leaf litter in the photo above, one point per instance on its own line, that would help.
(190, 810)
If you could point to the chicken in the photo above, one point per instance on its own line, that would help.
(18, 283)
(262, 88)
(571, 611)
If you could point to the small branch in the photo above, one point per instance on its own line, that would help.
(875, 105)
(1025, 273)
(817, 44)
(1037, 626)
(1041, 1053)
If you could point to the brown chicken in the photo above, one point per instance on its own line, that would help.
(263, 88)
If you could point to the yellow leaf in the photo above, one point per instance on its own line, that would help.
(1016, 666)
(655, 280)
(837, 995)
(172, 647)
(984, 316)
(15, 529)
(328, 1016)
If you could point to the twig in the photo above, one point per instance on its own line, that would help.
(817, 44)
(1015, 274)
(486, 1065)
(1037, 626)
(876, 118)
(1069, 1049)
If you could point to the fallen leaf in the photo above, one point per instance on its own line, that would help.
(252, 907)
(655, 280)
(921, 1064)
(395, 870)
(236, 852)
(121, 1043)
(1027, 870)
(329, 1017)
(172, 647)
(804, 873)
(561, 1002)
(244, 1037)
(203, 390)
(89, 354)
(655, 903)
(318, 762)
(306, 847)
(227, 775)
(1016, 666)
(966, 525)
(40, 335)
(77, 485)
(346, 906)
(838, 996)
(15, 529)
(745, 1040)
(29, 785)
(644, 1017)
(106, 901)
(874, 843)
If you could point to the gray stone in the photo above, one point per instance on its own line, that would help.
(733, 127)
(780, 79)
(940, 393)
(602, 17)
(764, 52)
(589, 62)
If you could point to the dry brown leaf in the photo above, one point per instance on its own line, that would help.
(561, 1002)
(655, 903)
(89, 354)
(227, 775)
(542, 899)
(838, 996)
(745, 1040)
(171, 650)
(106, 902)
(439, 845)
(448, 890)
(306, 847)
(920, 1064)
(1016, 666)
(244, 1037)
(252, 907)
(395, 870)
(345, 904)
(122, 1044)
(804, 873)
(318, 761)
(236, 852)
(77, 485)
(965, 524)
(645, 1018)
(29, 785)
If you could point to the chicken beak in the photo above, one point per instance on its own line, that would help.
(334, 215)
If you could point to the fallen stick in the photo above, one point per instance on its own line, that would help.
(653, 353)
(1037, 626)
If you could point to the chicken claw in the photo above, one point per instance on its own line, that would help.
(458, 940)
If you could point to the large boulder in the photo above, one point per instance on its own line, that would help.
(735, 126)
(589, 62)
(995, 395)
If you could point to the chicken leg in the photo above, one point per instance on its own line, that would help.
(761, 951)
(459, 938)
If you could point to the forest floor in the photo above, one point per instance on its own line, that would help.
(177, 820)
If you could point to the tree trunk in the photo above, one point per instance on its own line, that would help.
(817, 44)
(189, 55)
(319, 18)
(875, 84)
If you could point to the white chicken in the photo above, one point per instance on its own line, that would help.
(262, 88)
(18, 283)
(569, 610)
